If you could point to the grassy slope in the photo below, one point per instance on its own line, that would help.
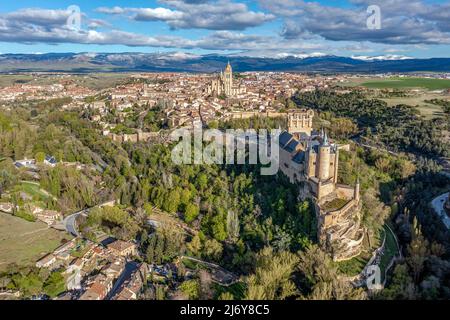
(24, 242)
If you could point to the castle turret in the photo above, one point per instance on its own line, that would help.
(324, 159)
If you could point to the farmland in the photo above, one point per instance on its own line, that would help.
(401, 83)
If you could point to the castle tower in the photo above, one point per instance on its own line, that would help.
(324, 159)
(311, 157)
(300, 121)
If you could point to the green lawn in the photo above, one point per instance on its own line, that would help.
(398, 83)
(334, 204)
(237, 290)
(190, 264)
(34, 190)
(389, 252)
(24, 242)
(355, 265)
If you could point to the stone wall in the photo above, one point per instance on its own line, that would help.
(139, 136)
(250, 114)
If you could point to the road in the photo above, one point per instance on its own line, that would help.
(70, 223)
(438, 206)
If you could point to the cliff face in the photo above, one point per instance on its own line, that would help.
(339, 227)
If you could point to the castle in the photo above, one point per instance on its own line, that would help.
(223, 85)
(311, 160)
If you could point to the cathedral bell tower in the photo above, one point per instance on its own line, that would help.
(228, 80)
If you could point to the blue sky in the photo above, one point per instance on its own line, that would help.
(412, 28)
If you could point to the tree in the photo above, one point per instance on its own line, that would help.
(212, 249)
(191, 288)
(418, 251)
(173, 201)
(195, 245)
(39, 157)
(218, 227)
(191, 213)
(29, 284)
(55, 284)
(233, 226)
(148, 208)
(214, 124)
(383, 164)
(401, 286)
(202, 181)
(323, 278)
(8, 176)
(226, 296)
(272, 277)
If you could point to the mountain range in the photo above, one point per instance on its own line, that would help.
(184, 62)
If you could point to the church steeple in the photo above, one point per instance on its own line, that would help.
(228, 67)
(228, 80)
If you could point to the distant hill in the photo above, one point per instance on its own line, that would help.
(182, 62)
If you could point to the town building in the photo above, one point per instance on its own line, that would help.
(47, 261)
(123, 248)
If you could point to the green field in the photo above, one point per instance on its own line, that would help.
(34, 190)
(23, 242)
(403, 83)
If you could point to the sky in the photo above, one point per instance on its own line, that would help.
(269, 28)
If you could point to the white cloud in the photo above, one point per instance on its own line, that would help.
(22, 29)
(217, 15)
(402, 21)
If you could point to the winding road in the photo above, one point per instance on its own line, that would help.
(70, 222)
(438, 206)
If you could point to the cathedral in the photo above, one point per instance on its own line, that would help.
(223, 85)
(311, 160)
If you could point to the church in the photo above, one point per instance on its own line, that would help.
(311, 160)
(224, 85)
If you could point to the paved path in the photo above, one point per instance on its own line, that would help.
(70, 223)
(438, 206)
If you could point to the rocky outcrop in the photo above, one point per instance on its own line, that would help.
(339, 227)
